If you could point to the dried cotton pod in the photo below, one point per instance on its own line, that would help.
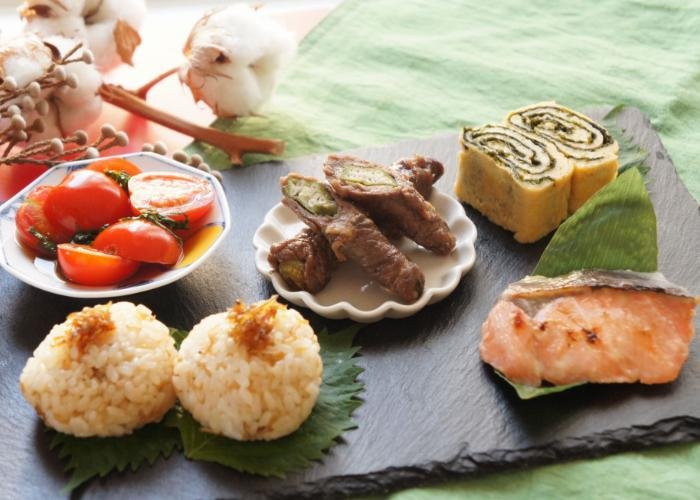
(64, 94)
(78, 103)
(234, 59)
(108, 27)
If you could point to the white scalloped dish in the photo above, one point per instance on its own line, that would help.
(43, 274)
(351, 293)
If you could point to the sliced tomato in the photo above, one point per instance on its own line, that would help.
(116, 165)
(34, 230)
(86, 266)
(171, 194)
(140, 240)
(85, 201)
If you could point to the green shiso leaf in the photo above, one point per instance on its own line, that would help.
(615, 229)
(332, 415)
(91, 457)
(528, 392)
(630, 155)
(178, 335)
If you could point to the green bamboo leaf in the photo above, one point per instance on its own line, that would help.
(631, 155)
(615, 229)
(332, 415)
(528, 392)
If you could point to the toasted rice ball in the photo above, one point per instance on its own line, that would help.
(105, 371)
(250, 373)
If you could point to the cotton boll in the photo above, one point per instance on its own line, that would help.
(108, 27)
(27, 58)
(76, 107)
(234, 59)
(112, 30)
(24, 57)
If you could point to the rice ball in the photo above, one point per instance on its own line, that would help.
(250, 373)
(105, 371)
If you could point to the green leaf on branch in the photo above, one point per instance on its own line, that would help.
(332, 415)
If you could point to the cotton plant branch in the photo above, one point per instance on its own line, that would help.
(234, 145)
(57, 150)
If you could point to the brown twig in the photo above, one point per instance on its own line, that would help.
(235, 146)
(142, 92)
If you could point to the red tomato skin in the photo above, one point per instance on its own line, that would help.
(140, 240)
(86, 200)
(194, 201)
(30, 214)
(86, 266)
(116, 164)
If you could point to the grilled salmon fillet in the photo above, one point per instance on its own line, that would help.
(590, 326)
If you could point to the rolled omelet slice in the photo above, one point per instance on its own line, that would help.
(516, 179)
(587, 144)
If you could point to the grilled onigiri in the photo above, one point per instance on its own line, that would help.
(250, 373)
(105, 371)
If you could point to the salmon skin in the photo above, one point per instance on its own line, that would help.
(590, 326)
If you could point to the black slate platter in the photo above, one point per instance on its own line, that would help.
(432, 409)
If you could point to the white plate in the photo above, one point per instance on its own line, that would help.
(351, 293)
(41, 273)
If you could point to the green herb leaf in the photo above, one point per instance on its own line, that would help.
(87, 237)
(615, 229)
(332, 415)
(163, 221)
(120, 177)
(631, 155)
(90, 457)
(529, 392)
(178, 335)
(46, 243)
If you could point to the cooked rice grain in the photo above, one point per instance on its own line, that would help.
(107, 385)
(245, 393)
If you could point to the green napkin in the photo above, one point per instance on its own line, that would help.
(376, 72)
(379, 71)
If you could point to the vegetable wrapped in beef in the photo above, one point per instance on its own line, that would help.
(390, 199)
(420, 171)
(305, 262)
(352, 235)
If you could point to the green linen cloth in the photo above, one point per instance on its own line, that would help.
(374, 72)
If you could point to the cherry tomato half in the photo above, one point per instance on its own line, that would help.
(86, 266)
(115, 164)
(86, 200)
(33, 227)
(140, 240)
(171, 194)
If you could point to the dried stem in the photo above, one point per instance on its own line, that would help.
(234, 145)
(42, 152)
(142, 92)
